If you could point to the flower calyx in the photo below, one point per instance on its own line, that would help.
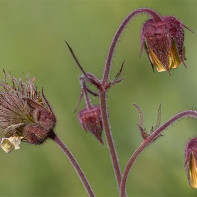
(91, 121)
(163, 42)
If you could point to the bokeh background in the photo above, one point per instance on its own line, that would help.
(32, 35)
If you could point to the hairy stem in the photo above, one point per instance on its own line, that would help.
(85, 93)
(149, 140)
(104, 84)
(109, 138)
(74, 163)
(118, 33)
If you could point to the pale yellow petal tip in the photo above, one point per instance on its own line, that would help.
(173, 59)
(161, 69)
(193, 172)
(11, 143)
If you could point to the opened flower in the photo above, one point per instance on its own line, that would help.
(25, 114)
(191, 162)
(164, 43)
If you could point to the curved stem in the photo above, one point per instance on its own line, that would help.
(148, 11)
(109, 138)
(150, 139)
(85, 93)
(104, 83)
(74, 163)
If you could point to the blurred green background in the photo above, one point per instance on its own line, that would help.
(32, 35)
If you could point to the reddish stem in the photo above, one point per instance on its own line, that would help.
(149, 140)
(85, 93)
(74, 163)
(109, 138)
(104, 83)
(148, 11)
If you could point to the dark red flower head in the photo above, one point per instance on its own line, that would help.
(164, 43)
(91, 120)
(25, 114)
(191, 162)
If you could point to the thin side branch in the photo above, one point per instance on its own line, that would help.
(140, 115)
(149, 140)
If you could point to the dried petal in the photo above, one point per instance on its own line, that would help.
(11, 143)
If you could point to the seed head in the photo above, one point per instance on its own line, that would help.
(191, 162)
(25, 114)
(164, 43)
(91, 121)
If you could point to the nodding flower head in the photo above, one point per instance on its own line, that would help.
(164, 43)
(25, 114)
(91, 120)
(191, 161)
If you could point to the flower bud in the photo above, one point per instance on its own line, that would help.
(91, 121)
(164, 43)
(191, 162)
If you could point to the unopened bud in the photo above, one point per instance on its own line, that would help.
(164, 43)
(91, 121)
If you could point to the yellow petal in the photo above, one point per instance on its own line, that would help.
(193, 172)
(173, 59)
(11, 143)
(155, 61)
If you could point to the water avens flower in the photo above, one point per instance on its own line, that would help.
(164, 43)
(25, 114)
(91, 120)
(191, 161)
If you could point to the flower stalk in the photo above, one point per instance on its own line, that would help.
(110, 142)
(149, 140)
(104, 85)
(74, 163)
(26, 116)
(117, 35)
